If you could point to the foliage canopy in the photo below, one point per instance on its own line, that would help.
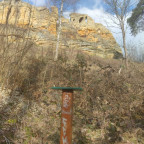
(136, 21)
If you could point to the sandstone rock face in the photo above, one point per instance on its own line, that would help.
(39, 24)
(81, 20)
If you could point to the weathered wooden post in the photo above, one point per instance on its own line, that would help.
(66, 114)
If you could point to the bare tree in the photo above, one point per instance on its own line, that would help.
(119, 10)
(62, 5)
(14, 46)
(59, 30)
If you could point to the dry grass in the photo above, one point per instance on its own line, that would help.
(109, 110)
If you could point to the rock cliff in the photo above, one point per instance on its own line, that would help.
(20, 20)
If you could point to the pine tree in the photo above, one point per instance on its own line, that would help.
(136, 21)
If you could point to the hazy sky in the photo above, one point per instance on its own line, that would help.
(96, 10)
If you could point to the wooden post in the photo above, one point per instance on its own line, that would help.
(66, 114)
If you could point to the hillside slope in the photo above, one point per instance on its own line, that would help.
(109, 110)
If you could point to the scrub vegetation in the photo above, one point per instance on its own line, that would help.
(109, 110)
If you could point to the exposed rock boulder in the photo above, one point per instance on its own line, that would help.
(81, 21)
(40, 25)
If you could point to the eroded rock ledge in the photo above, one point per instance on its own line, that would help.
(40, 25)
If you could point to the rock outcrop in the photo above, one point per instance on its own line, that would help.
(39, 24)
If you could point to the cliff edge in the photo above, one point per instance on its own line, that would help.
(39, 25)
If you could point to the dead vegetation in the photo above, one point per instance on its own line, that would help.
(109, 110)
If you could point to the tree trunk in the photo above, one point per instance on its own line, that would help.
(124, 43)
(59, 31)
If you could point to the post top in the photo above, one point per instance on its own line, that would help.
(67, 88)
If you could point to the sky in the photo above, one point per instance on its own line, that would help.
(96, 10)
